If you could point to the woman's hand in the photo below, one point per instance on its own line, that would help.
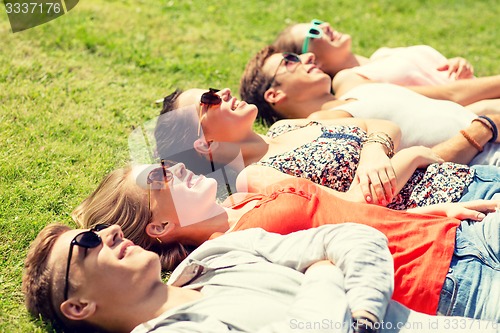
(375, 175)
(474, 210)
(458, 68)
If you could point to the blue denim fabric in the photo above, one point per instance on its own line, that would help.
(472, 286)
(485, 185)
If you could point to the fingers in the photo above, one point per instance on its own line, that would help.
(486, 206)
(376, 181)
(458, 68)
(380, 187)
(471, 214)
(464, 71)
(364, 185)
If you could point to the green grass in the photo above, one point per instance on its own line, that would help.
(73, 89)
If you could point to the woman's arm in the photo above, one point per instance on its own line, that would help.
(375, 169)
(463, 92)
(405, 162)
(472, 210)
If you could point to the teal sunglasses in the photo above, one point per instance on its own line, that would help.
(314, 32)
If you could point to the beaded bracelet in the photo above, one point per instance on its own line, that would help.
(471, 140)
(491, 125)
(362, 324)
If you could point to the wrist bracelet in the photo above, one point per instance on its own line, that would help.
(384, 139)
(471, 140)
(493, 127)
(362, 324)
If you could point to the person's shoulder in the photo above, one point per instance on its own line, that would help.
(348, 79)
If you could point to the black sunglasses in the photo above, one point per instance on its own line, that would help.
(88, 240)
(289, 58)
(160, 174)
(209, 98)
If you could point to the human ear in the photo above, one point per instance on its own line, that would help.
(274, 96)
(203, 147)
(76, 309)
(159, 229)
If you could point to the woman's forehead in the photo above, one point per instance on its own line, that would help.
(189, 97)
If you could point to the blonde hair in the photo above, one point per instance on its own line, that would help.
(42, 285)
(117, 200)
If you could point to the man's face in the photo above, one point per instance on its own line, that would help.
(113, 273)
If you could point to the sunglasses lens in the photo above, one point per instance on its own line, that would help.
(88, 239)
(100, 227)
(315, 32)
(291, 57)
(157, 175)
(210, 97)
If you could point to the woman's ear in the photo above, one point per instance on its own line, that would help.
(203, 147)
(159, 229)
(76, 309)
(274, 96)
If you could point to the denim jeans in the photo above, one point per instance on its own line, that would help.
(485, 185)
(472, 286)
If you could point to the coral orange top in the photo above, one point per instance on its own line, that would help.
(421, 245)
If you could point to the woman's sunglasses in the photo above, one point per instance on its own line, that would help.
(88, 240)
(290, 59)
(314, 32)
(159, 175)
(208, 99)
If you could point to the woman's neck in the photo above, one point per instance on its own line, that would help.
(197, 233)
(254, 147)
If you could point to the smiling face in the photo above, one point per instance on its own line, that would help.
(129, 271)
(302, 82)
(186, 199)
(229, 121)
(331, 50)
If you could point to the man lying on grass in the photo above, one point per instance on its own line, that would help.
(335, 278)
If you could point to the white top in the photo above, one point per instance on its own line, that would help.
(407, 66)
(423, 121)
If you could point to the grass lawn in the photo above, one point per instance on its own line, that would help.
(72, 90)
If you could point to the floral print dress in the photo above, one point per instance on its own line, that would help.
(332, 160)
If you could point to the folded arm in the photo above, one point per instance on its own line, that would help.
(360, 252)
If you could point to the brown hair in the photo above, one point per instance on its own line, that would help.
(42, 286)
(284, 42)
(255, 82)
(117, 201)
(170, 101)
(175, 134)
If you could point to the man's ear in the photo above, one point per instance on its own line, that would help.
(274, 96)
(77, 309)
(159, 229)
